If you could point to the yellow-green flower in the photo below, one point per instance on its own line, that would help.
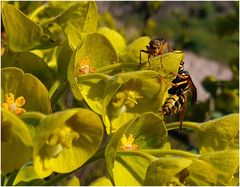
(126, 97)
(14, 105)
(61, 138)
(66, 140)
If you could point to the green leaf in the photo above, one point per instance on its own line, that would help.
(130, 171)
(131, 53)
(202, 173)
(220, 134)
(22, 33)
(110, 151)
(102, 181)
(29, 63)
(71, 137)
(163, 171)
(18, 83)
(149, 132)
(98, 49)
(114, 37)
(72, 181)
(32, 120)
(225, 164)
(26, 174)
(16, 142)
(78, 20)
(64, 53)
(55, 8)
(92, 93)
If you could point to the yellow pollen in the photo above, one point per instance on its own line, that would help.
(61, 138)
(84, 67)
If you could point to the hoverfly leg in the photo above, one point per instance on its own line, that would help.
(149, 67)
(140, 60)
(140, 56)
(161, 61)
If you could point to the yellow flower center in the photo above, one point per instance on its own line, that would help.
(14, 105)
(127, 97)
(61, 138)
(127, 144)
(84, 67)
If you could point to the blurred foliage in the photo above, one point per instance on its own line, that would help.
(194, 26)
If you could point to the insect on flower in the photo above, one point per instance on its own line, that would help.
(155, 48)
(178, 94)
(14, 105)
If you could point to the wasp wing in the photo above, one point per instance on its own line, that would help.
(193, 91)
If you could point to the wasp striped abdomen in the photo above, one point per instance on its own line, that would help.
(173, 104)
(178, 94)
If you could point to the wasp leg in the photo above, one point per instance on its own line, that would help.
(169, 48)
(178, 84)
(140, 56)
(182, 116)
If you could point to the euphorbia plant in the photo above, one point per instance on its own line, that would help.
(72, 94)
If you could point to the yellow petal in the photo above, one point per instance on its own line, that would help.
(5, 106)
(20, 101)
(130, 139)
(9, 98)
(19, 111)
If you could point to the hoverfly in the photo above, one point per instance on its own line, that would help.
(156, 47)
(178, 93)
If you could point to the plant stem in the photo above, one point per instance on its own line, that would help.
(115, 66)
(159, 153)
(147, 156)
(3, 177)
(48, 21)
(186, 124)
(54, 88)
(37, 11)
(56, 179)
(93, 76)
(37, 115)
(59, 92)
(12, 177)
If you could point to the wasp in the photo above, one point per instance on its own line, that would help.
(155, 48)
(178, 94)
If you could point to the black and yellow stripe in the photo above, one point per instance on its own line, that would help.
(173, 104)
(182, 84)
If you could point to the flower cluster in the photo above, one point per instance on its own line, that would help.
(14, 105)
